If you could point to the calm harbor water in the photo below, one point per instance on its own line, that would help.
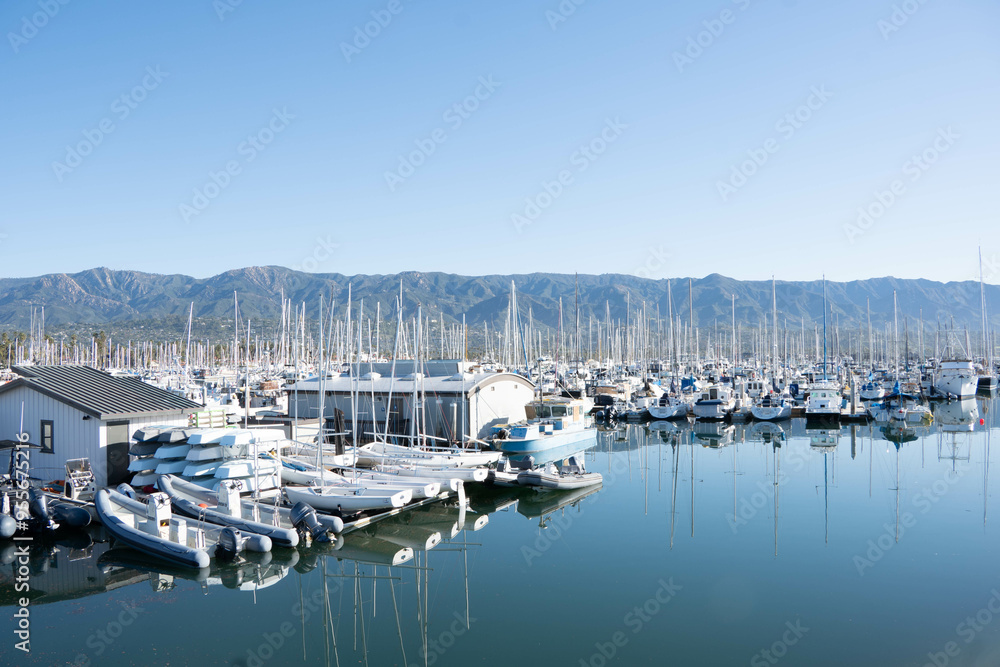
(706, 545)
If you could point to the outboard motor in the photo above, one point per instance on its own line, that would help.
(230, 543)
(308, 562)
(38, 505)
(39, 508)
(232, 578)
(307, 523)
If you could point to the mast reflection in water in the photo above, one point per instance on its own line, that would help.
(877, 538)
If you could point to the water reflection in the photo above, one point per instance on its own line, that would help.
(762, 523)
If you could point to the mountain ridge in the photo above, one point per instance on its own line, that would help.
(103, 296)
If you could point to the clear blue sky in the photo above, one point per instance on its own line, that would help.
(650, 203)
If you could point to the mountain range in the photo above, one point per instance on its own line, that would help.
(111, 298)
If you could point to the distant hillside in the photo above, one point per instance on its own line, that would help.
(102, 297)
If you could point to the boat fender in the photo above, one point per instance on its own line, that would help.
(7, 526)
(77, 517)
(257, 543)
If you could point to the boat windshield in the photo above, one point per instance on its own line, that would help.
(544, 411)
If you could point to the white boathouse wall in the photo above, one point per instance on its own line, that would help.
(75, 434)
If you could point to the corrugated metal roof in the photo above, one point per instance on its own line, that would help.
(98, 393)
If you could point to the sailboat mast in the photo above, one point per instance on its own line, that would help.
(895, 334)
(824, 328)
(774, 327)
(982, 301)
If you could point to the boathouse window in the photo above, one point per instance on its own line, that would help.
(45, 435)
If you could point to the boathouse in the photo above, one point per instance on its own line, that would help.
(453, 399)
(74, 412)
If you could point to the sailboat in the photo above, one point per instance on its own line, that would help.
(772, 406)
(988, 378)
(669, 406)
(824, 400)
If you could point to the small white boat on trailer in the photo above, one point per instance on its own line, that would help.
(152, 528)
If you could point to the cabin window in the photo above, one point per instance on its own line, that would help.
(46, 436)
(558, 410)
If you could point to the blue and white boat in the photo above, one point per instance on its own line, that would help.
(872, 390)
(554, 424)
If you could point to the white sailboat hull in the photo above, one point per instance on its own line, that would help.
(348, 499)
